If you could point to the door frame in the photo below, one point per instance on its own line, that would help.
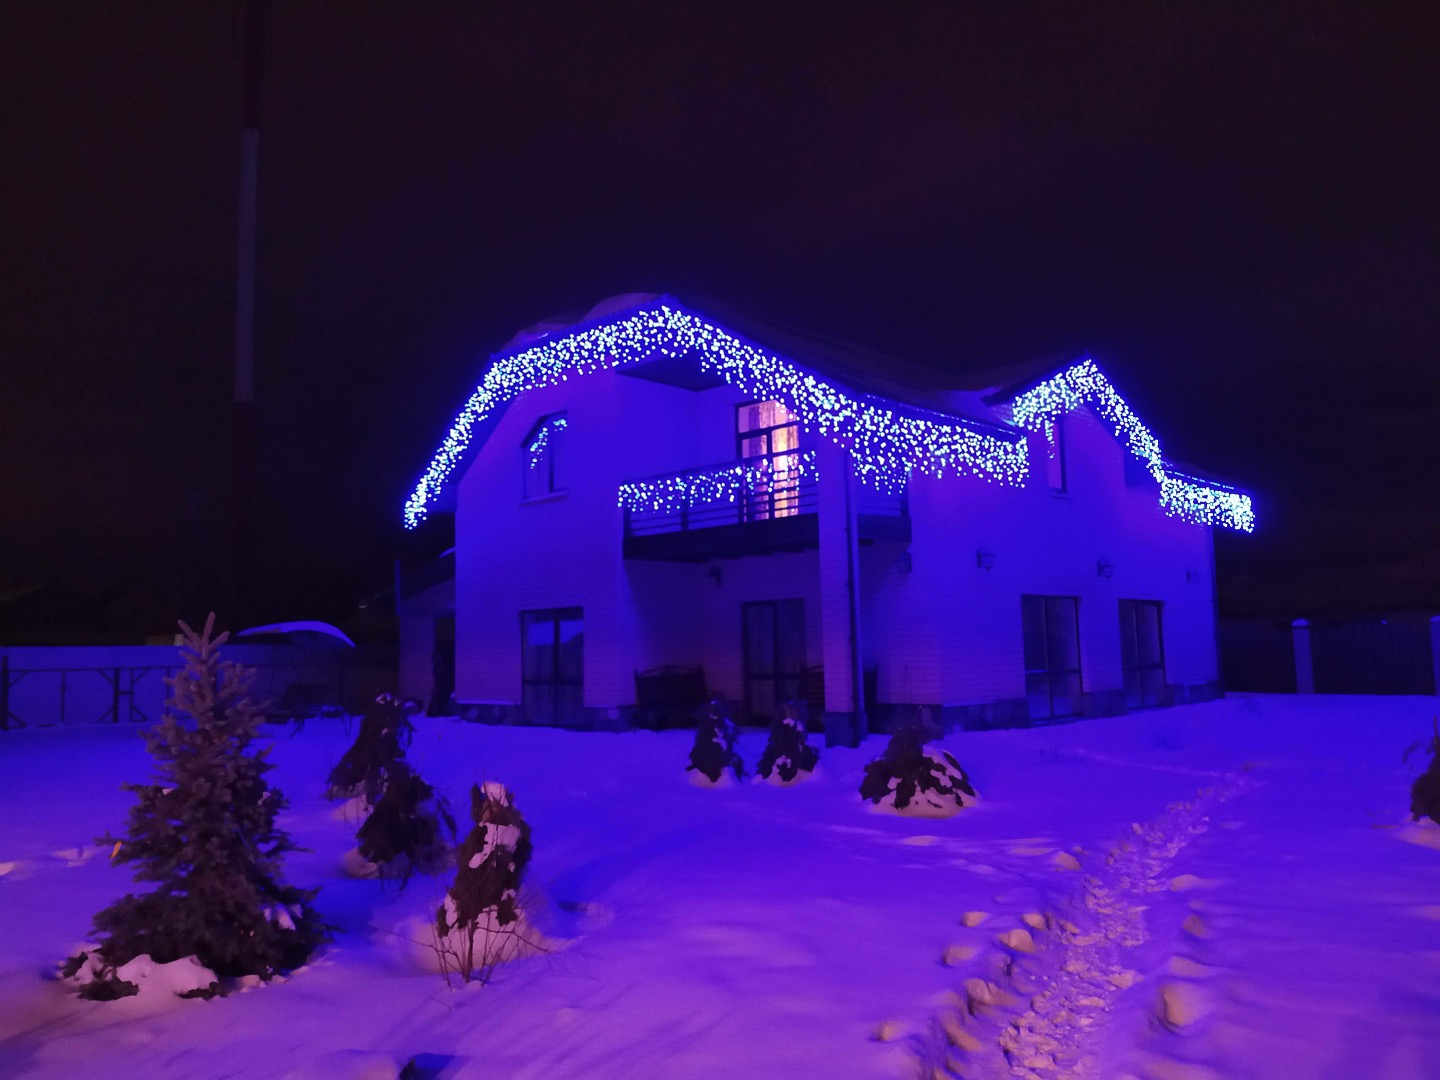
(748, 678)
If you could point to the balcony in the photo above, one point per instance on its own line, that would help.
(758, 506)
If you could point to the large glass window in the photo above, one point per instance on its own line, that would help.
(1051, 628)
(769, 438)
(542, 457)
(552, 664)
(1142, 653)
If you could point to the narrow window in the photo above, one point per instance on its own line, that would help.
(542, 457)
(1142, 653)
(1051, 629)
(552, 664)
(768, 437)
(1055, 462)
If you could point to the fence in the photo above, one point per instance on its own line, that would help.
(1389, 654)
(45, 686)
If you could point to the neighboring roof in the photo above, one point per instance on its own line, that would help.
(893, 416)
(300, 630)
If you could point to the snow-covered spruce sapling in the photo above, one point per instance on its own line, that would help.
(1425, 791)
(914, 778)
(385, 731)
(409, 829)
(788, 753)
(478, 926)
(714, 749)
(205, 834)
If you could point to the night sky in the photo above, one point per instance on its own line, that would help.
(1231, 206)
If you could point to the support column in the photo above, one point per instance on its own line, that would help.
(417, 657)
(845, 721)
(1304, 665)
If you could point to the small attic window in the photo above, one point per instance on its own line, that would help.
(1055, 457)
(542, 457)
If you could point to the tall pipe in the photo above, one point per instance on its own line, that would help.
(243, 424)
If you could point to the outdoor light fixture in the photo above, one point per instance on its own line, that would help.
(716, 575)
(904, 562)
(984, 558)
(1104, 568)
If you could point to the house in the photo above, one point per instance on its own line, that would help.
(656, 502)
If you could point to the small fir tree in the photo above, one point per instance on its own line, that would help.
(385, 732)
(788, 752)
(912, 777)
(714, 749)
(478, 924)
(205, 834)
(1425, 791)
(410, 828)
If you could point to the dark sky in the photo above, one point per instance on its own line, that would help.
(1232, 206)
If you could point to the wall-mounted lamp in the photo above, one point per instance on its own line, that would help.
(904, 562)
(716, 575)
(984, 559)
(1192, 577)
(1104, 568)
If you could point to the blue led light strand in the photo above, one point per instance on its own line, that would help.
(1181, 496)
(542, 437)
(719, 484)
(885, 444)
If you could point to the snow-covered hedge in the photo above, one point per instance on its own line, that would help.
(788, 754)
(479, 924)
(915, 779)
(714, 749)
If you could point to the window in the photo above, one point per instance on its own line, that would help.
(1142, 653)
(768, 435)
(552, 664)
(542, 457)
(1055, 462)
(1051, 629)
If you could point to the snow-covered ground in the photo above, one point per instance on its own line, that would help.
(1221, 890)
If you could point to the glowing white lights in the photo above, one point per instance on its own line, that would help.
(885, 443)
(720, 484)
(536, 448)
(1182, 496)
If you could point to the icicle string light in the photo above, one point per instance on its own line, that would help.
(718, 484)
(1181, 496)
(884, 443)
(538, 444)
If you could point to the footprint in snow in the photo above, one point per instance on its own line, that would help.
(1182, 1005)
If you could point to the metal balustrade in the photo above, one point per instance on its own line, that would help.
(779, 499)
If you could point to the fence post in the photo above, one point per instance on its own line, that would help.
(1435, 650)
(1304, 665)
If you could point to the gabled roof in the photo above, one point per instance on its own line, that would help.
(893, 417)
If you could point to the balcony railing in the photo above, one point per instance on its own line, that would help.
(741, 507)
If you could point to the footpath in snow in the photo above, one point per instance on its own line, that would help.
(1223, 890)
